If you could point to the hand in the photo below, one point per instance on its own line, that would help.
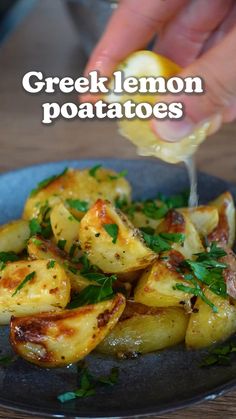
(199, 35)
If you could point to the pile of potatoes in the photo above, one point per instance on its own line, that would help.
(146, 313)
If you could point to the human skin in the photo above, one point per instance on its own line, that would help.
(199, 35)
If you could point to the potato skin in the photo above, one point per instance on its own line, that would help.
(129, 253)
(79, 184)
(39, 248)
(177, 222)
(14, 235)
(143, 329)
(155, 288)
(206, 327)
(224, 233)
(48, 290)
(58, 339)
(64, 226)
(204, 218)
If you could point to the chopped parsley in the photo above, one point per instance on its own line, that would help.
(94, 169)
(86, 388)
(7, 257)
(51, 264)
(162, 242)
(28, 278)
(7, 360)
(44, 183)
(207, 270)
(36, 241)
(77, 204)
(153, 211)
(175, 201)
(121, 202)
(88, 384)
(93, 294)
(119, 175)
(61, 244)
(35, 227)
(219, 356)
(112, 230)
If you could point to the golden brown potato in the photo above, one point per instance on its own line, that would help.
(39, 248)
(14, 235)
(79, 184)
(156, 286)
(144, 329)
(204, 218)
(48, 289)
(175, 222)
(224, 233)
(206, 327)
(124, 252)
(64, 226)
(58, 339)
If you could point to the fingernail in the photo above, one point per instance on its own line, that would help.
(172, 131)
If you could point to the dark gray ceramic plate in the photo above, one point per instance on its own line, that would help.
(150, 384)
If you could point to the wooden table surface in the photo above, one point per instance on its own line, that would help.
(47, 41)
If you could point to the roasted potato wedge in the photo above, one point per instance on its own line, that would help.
(64, 226)
(204, 218)
(79, 184)
(206, 327)
(124, 253)
(224, 233)
(49, 289)
(175, 222)
(156, 287)
(14, 236)
(144, 329)
(58, 339)
(39, 248)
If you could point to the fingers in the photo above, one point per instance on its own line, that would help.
(217, 67)
(183, 38)
(227, 25)
(131, 27)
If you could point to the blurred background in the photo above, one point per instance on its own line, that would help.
(56, 37)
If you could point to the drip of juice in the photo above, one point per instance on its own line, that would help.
(192, 174)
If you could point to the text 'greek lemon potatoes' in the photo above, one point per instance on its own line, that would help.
(34, 82)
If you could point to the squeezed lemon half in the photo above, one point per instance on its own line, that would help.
(149, 64)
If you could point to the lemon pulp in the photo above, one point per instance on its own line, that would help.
(139, 132)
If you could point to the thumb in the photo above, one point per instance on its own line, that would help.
(217, 68)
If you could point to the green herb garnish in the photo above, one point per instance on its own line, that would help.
(88, 384)
(94, 293)
(94, 169)
(219, 356)
(153, 211)
(207, 270)
(121, 202)
(7, 360)
(61, 244)
(28, 278)
(112, 230)
(7, 257)
(162, 242)
(86, 388)
(111, 379)
(51, 264)
(119, 175)
(77, 204)
(44, 183)
(175, 201)
(35, 227)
